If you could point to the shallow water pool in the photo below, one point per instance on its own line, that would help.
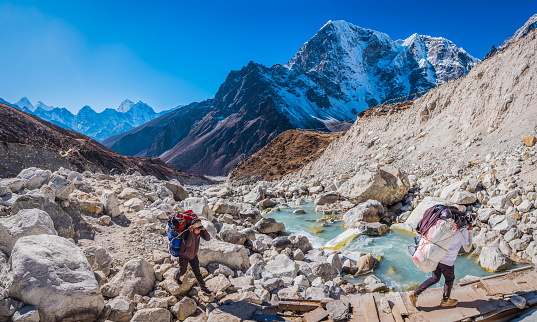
(396, 268)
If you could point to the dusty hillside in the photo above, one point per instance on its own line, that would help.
(288, 152)
(30, 141)
(488, 111)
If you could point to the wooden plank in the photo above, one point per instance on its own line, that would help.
(499, 287)
(466, 302)
(526, 282)
(297, 306)
(395, 297)
(370, 307)
(358, 309)
(429, 306)
(480, 302)
(414, 315)
(316, 315)
(383, 316)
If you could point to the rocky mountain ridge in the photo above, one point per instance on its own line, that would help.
(341, 71)
(521, 32)
(29, 141)
(98, 126)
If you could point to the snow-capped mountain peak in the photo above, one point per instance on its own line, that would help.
(43, 106)
(125, 106)
(25, 103)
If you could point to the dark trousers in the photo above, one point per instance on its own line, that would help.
(441, 269)
(194, 264)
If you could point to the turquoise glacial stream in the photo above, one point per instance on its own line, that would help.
(396, 268)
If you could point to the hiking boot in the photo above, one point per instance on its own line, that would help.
(205, 290)
(448, 302)
(178, 281)
(413, 298)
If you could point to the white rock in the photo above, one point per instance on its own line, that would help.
(52, 274)
(34, 177)
(135, 277)
(25, 223)
(110, 201)
(281, 266)
(200, 207)
(493, 260)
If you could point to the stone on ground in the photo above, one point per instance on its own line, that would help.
(493, 260)
(387, 185)
(135, 277)
(25, 223)
(53, 274)
(152, 315)
(62, 222)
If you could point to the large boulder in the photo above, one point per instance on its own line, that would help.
(152, 315)
(14, 184)
(373, 228)
(121, 309)
(326, 198)
(369, 211)
(184, 308)
(110, 201)
(86, 203)
(324, 270)
(163, 192)
(135, 277)
(492, 259)
(52, 274)
(200, 207)
(179, 193)
(387, 185)
(365, 263)
(224, 207)
(62, 222)
(253, 197)
(426, 203)
(248, 211)
(129, 193)
(230, 234)
(98, 258)
(281, 266)
(25, 223)
(269, 225)
(61, 187)
(34, 177)
(230, 255)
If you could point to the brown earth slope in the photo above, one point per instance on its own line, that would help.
(288, 152)
(26, 141)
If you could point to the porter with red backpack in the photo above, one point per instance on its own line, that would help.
(177, 224)
(184, 232)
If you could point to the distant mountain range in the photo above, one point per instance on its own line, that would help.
(28, 141)
(342, 70)
(98, 126)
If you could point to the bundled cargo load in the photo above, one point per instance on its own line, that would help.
(436, 230)
(434, 245)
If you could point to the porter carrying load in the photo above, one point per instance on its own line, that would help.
(436, 229)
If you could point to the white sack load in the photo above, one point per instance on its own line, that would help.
(434, 245)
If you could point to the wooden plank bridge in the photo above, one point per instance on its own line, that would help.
(482, 299)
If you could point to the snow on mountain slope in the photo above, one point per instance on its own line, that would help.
(98, 126)
(455, 127)
(340, 71)
(25, 103)
(357, 68)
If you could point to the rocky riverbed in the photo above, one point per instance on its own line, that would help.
(91, 246)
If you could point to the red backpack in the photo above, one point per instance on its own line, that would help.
(177, 224)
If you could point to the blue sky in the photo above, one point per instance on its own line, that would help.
(98, 53)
